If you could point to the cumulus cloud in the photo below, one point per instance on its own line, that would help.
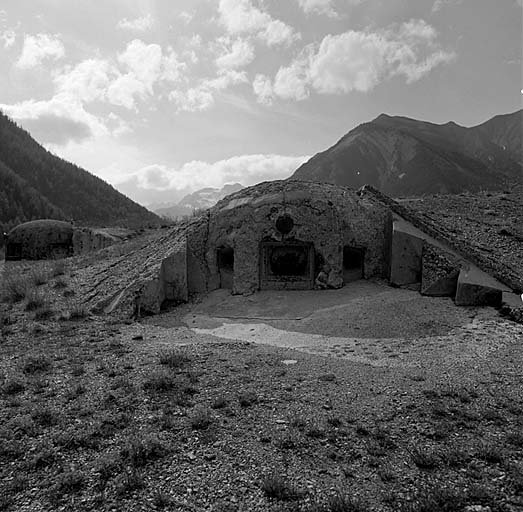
(144, 66)
(138, 24)
(236, 54)
(52, 118)
(194, 175)
(291, 81)
(87, 81)
(360, 60)
(64, 117)
(38, 48)
(318, 7)
(242, 17)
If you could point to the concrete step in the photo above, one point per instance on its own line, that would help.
(477, 288)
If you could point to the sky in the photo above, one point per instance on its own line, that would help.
(163, 97)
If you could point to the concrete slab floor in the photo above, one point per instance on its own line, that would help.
(365, 322)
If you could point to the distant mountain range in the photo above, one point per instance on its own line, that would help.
(35, 184)
(199, 200)
(405, 157)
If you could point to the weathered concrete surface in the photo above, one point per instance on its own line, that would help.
(440, 271)
(405, 262)
(476, 288)
(87, 240)
(173, 274)
(327, 216)
(40, 239)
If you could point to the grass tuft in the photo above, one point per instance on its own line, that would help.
(46, 312)
(425, 458)
(275, 487)
(36, 364)
(173, 359)
(15, 289)
(201, 418)
(139, 451)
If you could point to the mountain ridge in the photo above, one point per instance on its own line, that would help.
(403, 156)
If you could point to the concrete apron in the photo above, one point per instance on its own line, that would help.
(364, 322)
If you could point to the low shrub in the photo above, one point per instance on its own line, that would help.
(247, 398)
(12, 386)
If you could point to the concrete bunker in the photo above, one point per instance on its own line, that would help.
(295, 235)
(40, 239)
(48, 239)
(283, 235)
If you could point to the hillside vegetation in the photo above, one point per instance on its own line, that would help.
(38, 184)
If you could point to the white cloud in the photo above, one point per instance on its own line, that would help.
(87, 81)
(360, 60)
(196, 99)
(262, 87)
(318, 7)
(186, 17)
(8, 37)
(59, 114)
(201, 97)
(438, 5)
(38, 48)
(292, 82)
(145, 65)
(237, 54)
(138, 24)
(226, 79)
(194, 175)
(242, 17)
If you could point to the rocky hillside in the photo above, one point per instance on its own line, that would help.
(199, 200)
(37, 184)
(406, 157)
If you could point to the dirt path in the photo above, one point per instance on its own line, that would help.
(366, 323)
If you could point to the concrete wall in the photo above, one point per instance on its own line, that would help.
(327, 216)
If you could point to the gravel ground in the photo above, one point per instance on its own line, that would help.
(101, 415)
